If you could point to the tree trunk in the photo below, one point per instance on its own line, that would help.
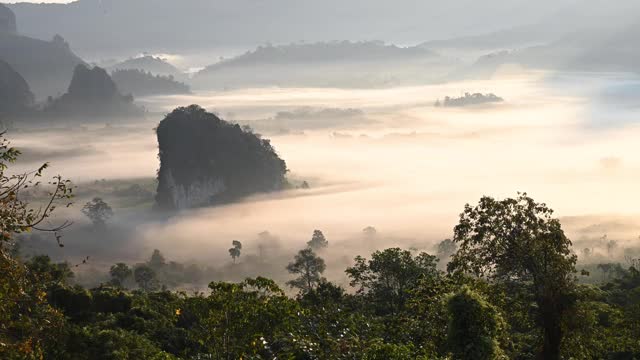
(552, 341)
(552, 325)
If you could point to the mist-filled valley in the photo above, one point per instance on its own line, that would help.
(305, 198)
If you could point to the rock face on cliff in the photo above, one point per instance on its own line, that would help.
(205, 160)
(15, 96)
(92, 92)
(7, 20)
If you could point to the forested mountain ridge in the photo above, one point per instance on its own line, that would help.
(148, 63)
(141, 83)
(323, 52)
(325, 64)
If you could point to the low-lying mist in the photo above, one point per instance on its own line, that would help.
(407, 170)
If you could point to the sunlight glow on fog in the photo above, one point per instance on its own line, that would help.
(409, 174)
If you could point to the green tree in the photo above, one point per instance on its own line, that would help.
(235, 250)
(249, 320)
(612, 245)
(474, 327)
(157, 260)
(446, 248)
(46, 272)
(309, 268)
(389, 276)
(318, 241)
(369, 232)
(378, 350)
(27, 321)
(98, 211)
(16, 215)
(120, 272)
(519, 241)
(428, 305)
(96, 343)
(145, 277)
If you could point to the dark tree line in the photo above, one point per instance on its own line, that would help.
(469, 99)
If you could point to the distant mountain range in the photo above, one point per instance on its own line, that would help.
(587, 50)
(580, 17)
(158, 26)
(590, 35)
(336, 63)
(47, 66)
(584, 35)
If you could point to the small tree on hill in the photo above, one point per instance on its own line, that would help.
(157, 260)
(318, 241)
(446, 248)
(145, 277)
(309, 268)
(119, 273)
(98, 211)
(369, 232)
(235, 250)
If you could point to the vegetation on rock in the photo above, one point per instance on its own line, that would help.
(205, 160)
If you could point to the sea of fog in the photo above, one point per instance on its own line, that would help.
(405, 167)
